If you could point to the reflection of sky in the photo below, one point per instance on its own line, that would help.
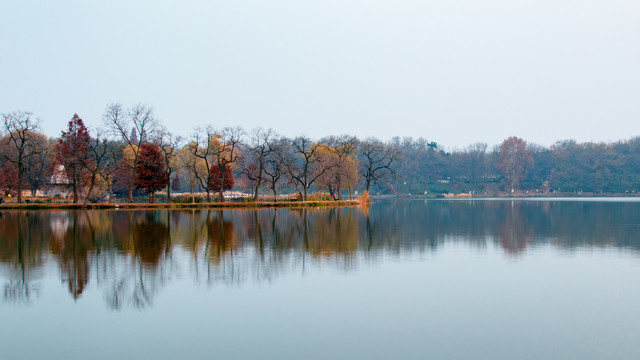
(554, 199)
(59, 224)
(457, 302)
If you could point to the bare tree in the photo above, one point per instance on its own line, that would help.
(38, 168)
(304, 165)
(274, 168)
(227, 152)
(110, 163)
(20, 141)
(188, 164)
(169, 144)
(261, 145)
(377, 160)
(101, 162)
(203, 148)
(135, 126)
(343, 147)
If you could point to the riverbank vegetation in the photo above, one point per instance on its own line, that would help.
(197, 205)
(134, 157)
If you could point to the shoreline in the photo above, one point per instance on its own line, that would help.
(296, 204)
(178, 206)
(514, 196)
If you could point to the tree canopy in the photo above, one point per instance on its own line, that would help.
(151, 173)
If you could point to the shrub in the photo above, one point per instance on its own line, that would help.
(186, 198)
(365, 199)
(319, 197)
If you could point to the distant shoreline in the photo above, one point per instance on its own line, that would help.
(509, 196)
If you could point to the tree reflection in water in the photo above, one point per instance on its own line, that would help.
(22, 255)
(147, 244)
(515, 233)
(73, 249)
(130, 255)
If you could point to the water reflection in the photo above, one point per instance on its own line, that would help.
(130, 255)
(22, 252)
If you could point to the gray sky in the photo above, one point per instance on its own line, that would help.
(455, 72)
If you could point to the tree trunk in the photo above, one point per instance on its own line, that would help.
(91, 184)
(20, 180)
(222, 173)
(132, 180)
(275, 194)
(75, 186)
(169, 187)
(332, 193)
(256, 194)
(258, 183)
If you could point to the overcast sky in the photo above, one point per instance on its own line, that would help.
(455, 72)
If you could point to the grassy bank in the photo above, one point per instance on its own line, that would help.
(216, 205)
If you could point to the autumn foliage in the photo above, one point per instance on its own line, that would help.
(122, 178)
(72, 152)
(219, 181)
(151, 174)
(514, 160)
(8, 179)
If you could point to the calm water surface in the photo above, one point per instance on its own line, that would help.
(406, 279)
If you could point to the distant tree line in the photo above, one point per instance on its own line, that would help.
(516, 166)
(133, 154)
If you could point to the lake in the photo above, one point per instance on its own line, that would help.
(403, 279)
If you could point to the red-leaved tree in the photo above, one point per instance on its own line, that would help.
(122, 179)
(8, 179)
(151, 172)
(72, 152)
(219, 181)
